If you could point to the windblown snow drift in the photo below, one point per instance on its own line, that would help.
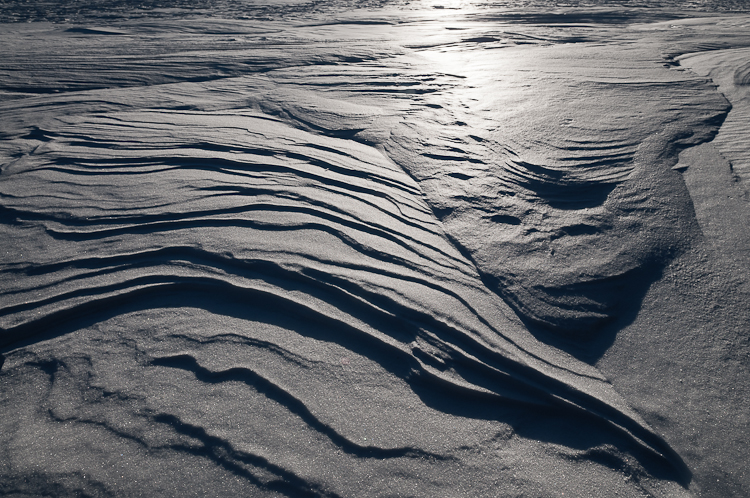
(368, 257)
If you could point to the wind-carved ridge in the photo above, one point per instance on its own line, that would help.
(290, 402)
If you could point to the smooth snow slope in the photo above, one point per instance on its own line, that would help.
(370, 256)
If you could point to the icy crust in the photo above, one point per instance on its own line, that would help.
(306, 264)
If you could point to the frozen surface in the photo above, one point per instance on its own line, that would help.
(395, 250)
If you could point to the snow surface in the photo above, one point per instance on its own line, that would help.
(429, 249)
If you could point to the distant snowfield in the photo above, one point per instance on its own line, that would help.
(427, 250)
